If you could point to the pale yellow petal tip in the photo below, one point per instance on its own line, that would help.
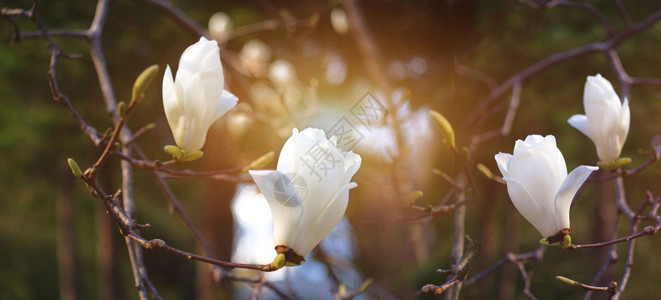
(444, 127)
(143, 81)
(260, 162)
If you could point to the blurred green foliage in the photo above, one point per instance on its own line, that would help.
(498, 38)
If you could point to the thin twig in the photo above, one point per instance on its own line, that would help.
(600, 46)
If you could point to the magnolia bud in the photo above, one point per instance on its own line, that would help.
(143, 81)
(260, 162)
(75, 169)
(443, 127)
(566, 280)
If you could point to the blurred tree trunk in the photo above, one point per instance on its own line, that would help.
(216, 225)
(105, 254)
(488, 248)
(66, 243)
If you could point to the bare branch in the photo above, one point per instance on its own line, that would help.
(602, 46)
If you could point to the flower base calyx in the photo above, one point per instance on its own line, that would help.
(181, 154)
(292, 258)
(562, 239)
(612, 166)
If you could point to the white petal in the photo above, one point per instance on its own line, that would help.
(528, 207)
(289, 154)
(538, 171)
(200, 103)
(566, 193)
(324, 223)
(227, 102)
(598, 88)
(623, 128)
(503, 160)
(282, 195)
(549, 145)
(191, 60)
(352, 162)
(579, 122)
(173, 105)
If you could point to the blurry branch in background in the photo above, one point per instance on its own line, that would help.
(479, 115)
(121, 142)
(122, 211)
(487, 109)
(457, 272)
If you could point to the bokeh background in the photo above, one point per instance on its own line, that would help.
(54, 237)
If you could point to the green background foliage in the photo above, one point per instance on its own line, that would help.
(498, 38)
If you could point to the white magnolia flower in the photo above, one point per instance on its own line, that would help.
(309, 191)
(196, 98)
(538, 184)
(606, 119)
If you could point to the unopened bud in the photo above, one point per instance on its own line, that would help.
(342, 289)
(566, 280)
(260, 162)
(485, 170)
(75, 169)
(414, 196)
(365, 285)
(143, 81)
(444, 127)
(121, 109)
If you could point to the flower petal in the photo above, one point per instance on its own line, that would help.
(623, 126)
(283, 198)
(200, 104)
(193, 59)
(528, 207)
(579, 122)
(325, 221)
(566, 192)
(173, 106)
(503, 160)
(227, 102)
